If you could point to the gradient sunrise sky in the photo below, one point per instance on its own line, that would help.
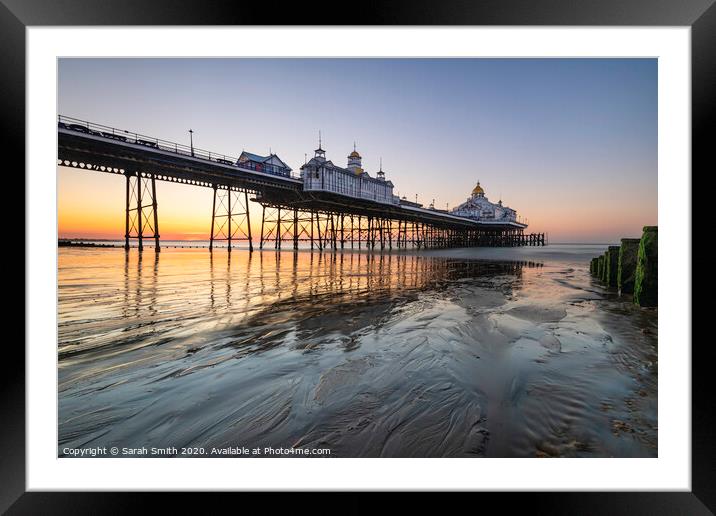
(571, 144)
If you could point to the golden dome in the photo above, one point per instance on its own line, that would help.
(354, 154)
(478, 189)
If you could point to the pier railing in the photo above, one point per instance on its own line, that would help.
(112, 133)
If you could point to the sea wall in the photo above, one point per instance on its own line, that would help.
(631, 268)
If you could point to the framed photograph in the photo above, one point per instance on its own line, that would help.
(419, 252)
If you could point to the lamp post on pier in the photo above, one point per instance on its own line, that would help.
(191, 142)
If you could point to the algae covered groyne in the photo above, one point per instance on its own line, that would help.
(632, 267)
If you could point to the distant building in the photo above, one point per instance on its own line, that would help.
(478, 207)
(320, 174)
(270, 164)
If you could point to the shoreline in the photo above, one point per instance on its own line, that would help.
(115, 243)
(574, 253)
(356, 336)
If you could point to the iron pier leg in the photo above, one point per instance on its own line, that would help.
(263, 219)
(295, 228)
(228, 190)
(140, 229)
(213, 216)
(318, 228)
(370, 232)
(248, 221)
(333, 231)
(373, 232)
(126, 216)
(352, 231)
(381, 228)
(156, 216)
(376, 232)
(277, 239)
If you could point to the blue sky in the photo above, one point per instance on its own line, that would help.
(566, 142)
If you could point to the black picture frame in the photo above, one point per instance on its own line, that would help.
(700, 15)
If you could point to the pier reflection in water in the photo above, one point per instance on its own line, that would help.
(366, 354)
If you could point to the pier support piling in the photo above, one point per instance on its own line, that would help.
(213, 219)
(334, 229)
(141, 220)
(230, 218)
(126, 215)
(156, 216)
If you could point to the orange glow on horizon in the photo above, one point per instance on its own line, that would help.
(91, 205)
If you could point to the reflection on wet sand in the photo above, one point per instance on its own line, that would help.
(366, 354)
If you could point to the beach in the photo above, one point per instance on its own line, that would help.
(479, 352)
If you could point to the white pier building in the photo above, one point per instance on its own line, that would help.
(479, 207)
(322, 175)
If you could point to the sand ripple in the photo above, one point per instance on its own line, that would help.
(369, 355)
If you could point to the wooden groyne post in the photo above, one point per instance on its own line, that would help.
(645, 282)
(631, 267)
(612, 258)
(605, 262)
(626, 274)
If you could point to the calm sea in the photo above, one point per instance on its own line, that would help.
(465, 352)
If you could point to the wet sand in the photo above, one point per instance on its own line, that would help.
(445, 353)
